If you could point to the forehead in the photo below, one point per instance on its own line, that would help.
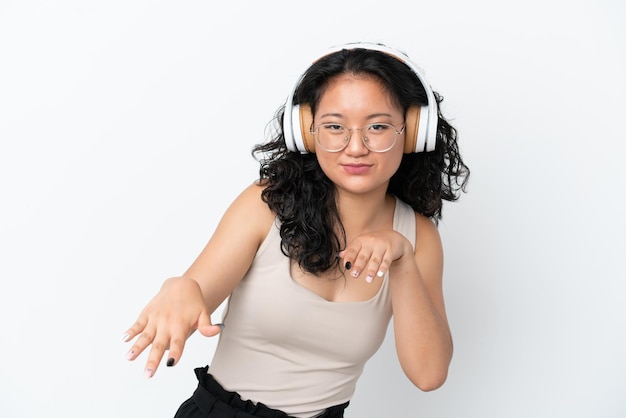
(347, 92)
(355, 78)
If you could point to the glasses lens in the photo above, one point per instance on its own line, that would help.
(332, 137)
(377, 137)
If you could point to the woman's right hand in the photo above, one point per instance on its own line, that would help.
(168, 320)
(183, 304)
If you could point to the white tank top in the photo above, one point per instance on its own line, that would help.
(291, 349)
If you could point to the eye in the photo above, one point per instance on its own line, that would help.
(378, 128)
(333, 128)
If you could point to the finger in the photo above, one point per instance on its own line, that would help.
(176, 347)
(135, 329)
(177, 343)
(360, 262)
(384, 267)
(348, 256)
(374, 265)
(144, 340)
(206, 327)
(160, 343)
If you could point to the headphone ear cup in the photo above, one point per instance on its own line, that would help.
(411, 129)
(296, 129)
(416, 138)
(306, 121)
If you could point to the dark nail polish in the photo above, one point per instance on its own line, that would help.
(170, 362)
(348, 265)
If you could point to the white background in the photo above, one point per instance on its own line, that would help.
(126, 129)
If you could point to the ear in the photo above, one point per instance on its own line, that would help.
(306, 121)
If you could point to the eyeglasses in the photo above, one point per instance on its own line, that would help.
(377, 137)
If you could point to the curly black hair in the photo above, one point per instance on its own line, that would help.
(303, 198)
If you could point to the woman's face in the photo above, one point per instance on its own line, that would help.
(355, 101)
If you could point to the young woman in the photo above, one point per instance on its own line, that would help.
(337, 237)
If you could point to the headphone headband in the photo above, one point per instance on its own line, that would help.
(421, 121)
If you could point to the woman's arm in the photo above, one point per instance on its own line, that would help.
(185, 303)
(230, 251)
(423, 339)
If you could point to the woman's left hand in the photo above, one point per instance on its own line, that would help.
(371, 254)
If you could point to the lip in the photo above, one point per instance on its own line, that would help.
(356, 168)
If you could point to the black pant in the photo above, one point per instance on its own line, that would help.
(211, 400)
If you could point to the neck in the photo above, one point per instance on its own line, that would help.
(361, 213)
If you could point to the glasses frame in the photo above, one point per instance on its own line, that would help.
(315, 132)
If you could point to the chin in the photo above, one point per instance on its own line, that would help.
(361, 187)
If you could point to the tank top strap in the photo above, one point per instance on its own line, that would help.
(404, 220)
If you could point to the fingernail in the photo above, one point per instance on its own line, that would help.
(222, 326)
(170, 362)
(348, 265)
(380, 273)
(125, 337)
(369, 278)
(130, 355)
(148, 373)
(355, 273)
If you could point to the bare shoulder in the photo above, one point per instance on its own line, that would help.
(231, 249)
(427, 238)
(251, 199)
(242, 228)
(249, 213)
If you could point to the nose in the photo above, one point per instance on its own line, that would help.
(356, 147)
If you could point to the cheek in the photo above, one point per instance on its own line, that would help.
(395, 160)
(324, 161)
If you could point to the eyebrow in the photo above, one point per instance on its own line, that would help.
(372, 116)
